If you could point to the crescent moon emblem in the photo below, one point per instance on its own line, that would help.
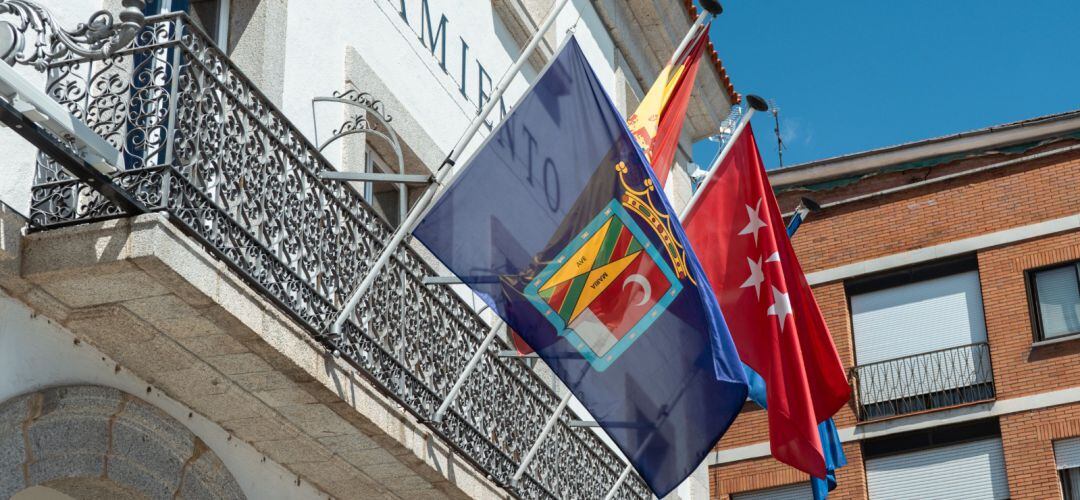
(643, 283)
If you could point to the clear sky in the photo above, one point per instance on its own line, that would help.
(850, 75)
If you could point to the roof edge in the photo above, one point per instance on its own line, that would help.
(974, 140)
(710, 52)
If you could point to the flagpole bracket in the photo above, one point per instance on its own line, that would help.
(510, 353)
(377, 177)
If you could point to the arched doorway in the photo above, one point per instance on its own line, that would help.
(97, 442)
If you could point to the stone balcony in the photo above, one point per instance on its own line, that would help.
(220, 286)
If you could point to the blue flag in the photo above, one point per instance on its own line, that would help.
(557, 224)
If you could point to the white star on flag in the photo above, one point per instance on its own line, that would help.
(755, 223)
(781, 307)
(756, 276)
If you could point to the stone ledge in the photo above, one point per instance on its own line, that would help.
(152, 299)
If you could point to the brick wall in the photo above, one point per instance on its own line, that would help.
(1019, 368)
(969, 206)
(766, 472)
(1027, 439)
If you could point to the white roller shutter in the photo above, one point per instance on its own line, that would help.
(799, 491)
(914, 319)
(918, 317)
(1067, 453)
(968, 471)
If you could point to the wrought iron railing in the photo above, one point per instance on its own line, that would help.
(203, 145)
(926, 381)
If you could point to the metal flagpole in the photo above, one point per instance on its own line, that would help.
(550, 424)
(806, 205)
(756, 104)
(444, 171)
(690, 34)
(473, 362)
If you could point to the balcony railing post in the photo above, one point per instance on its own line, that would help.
(170, 126)
(469, 367)
(535, 448)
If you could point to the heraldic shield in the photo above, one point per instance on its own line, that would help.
(604, 290)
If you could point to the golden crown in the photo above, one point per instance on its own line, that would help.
(640, 202)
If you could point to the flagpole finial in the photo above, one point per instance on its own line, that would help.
(756, 102)
(712, 6)
(810, 204)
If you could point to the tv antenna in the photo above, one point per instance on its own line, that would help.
(776, 129)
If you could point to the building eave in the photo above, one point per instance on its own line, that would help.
(646, 32)
(970, 142)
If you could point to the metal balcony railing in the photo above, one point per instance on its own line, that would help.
(203, 145)
(925, 381)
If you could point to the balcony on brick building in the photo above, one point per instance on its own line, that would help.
(920, 339)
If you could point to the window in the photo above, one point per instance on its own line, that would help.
(917, 311)
(1067, 457)
(959, 461)
(211, 15)
(920, 339)
(1055, 298)
(384, 197)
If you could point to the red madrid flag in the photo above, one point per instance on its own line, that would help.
(739, 236)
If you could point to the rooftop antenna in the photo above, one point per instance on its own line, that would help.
(776, 129)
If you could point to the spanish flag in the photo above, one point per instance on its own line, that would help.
(658, 120)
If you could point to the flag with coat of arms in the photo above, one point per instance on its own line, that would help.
(558, 224)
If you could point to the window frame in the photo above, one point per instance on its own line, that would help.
(924, 271)
(1035, 312)
(220, 35)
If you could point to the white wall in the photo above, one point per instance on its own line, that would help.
(36, 353)
(316, 41)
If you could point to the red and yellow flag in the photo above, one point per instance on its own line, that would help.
(657, 122)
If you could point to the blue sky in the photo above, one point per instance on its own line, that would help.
(849, 76)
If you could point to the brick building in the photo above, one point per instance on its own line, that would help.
(947, 270)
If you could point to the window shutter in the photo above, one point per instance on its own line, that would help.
(1067, 453)
(918, 317)
(799, 491)
(974, 470)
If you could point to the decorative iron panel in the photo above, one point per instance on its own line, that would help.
(204, 145)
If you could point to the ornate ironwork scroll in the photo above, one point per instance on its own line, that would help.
(205, 146)
(97, 38)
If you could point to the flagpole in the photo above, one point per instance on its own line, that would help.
(690, 35)
(619, 482)
(444, 171)
(755, 104)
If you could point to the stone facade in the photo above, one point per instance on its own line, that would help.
(136, 309)
(98, 442)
